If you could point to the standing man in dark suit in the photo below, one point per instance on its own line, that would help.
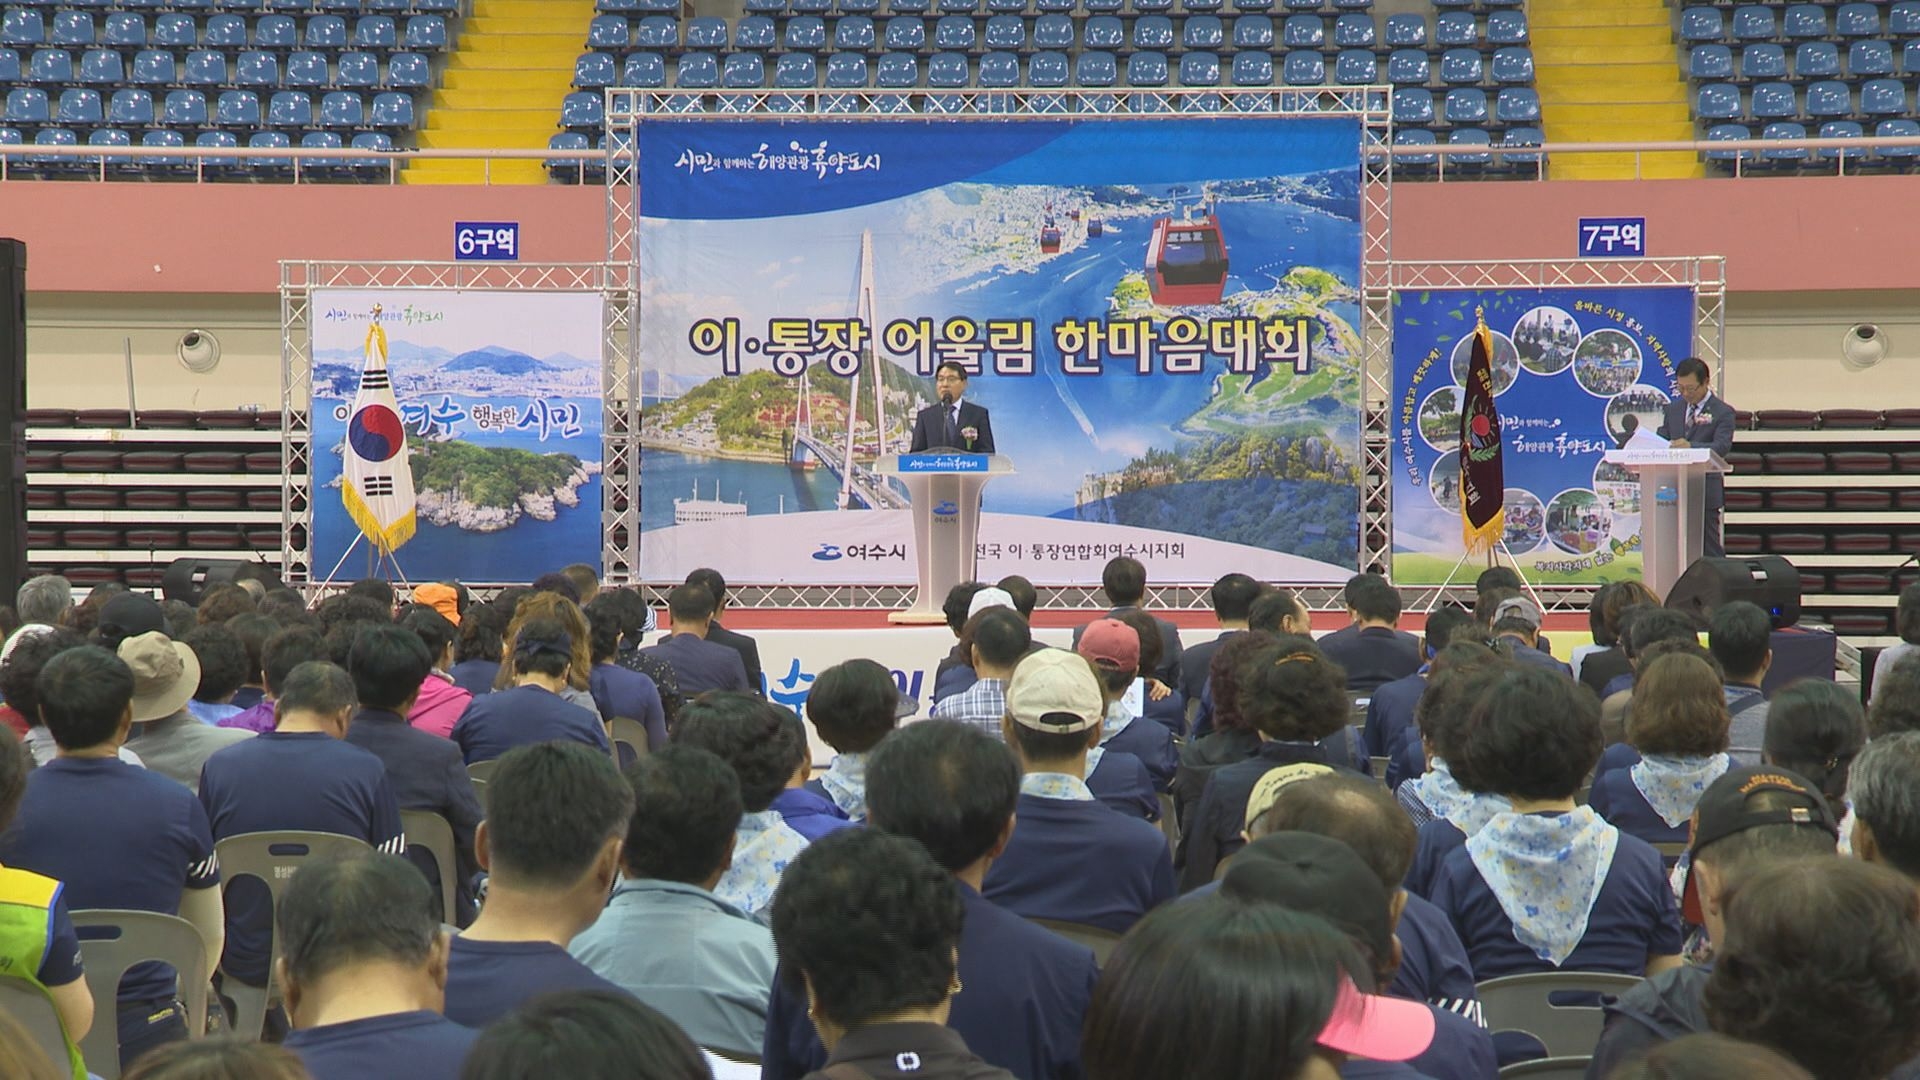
(955, 423)
(1701, 419)
(698, 665)
(748, 649)
(1124, 580)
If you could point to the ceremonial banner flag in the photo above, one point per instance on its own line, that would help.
(377, 483)
(1482, 478)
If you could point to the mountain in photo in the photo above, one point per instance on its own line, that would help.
(501, 361)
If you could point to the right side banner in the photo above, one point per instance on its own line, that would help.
(1575, 373)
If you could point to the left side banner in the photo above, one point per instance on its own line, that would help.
(476, 414)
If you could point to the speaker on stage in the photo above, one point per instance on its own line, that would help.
(1769, 581)
(13, 406)
(187, 580)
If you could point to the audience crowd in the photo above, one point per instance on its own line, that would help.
(541, 837)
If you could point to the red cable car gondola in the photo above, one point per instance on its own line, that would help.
(1049, 237)
(1187, 262)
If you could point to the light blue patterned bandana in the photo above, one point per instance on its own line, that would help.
(1115, 721)
(1093, 760)
(1546, 871)
(1053, 785)
(763, 846)
(845, 782)
(1673, 785)
(1464, 809)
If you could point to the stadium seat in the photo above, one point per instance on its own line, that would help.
(329, 32)
(906, 33)
(128, 30)
(376, 32)
(1004, 32)
(1512, 65)
(1910, 57)
(1753, 22)
(1717, 101)
(1469, 137)
(1252, 69)
(1816, 60)
(1456, 28)
(1869, 59)
(1054, 7)
(72, 29)
(98, 67)
(1049, 70)
(1147, 69)
(157, 163)
(1304, 67)
(10, 70)
(1828, 99)
(1709, 62)
(1153, 6)
(1095, 69)
(286, 109)
(1356, 67)
(51, 66)
(1053, 31)
(1203, 32)
(854, 33)
(1153, 32)
(1353, 31)
(1856, 20)
(223, 32)
(1303, 32)
(999, 70)
(1409, 67)
(1414, 137)
(1729, 133)
(426, 33)
(1413, 105)
(898, 71)
(1006, 7)
(1460, 67)
(953, 33)
(908, 7)
(1465, 105)
(391, 110)
(48, 163)
(1772, 101)
(846, 71)
(188, 109)
(1102, 32)
(276, 32)
(361, 70)
(807, 33)
(1804, 21)
(322, 167)
(956, 7)
(80, 105)
(1517, 105)
(342, 109)
(1194, 7)
(1784, 129)
(1765, 60)
(152, 67)
(259, 140)
(1883, 97)
(1252, 5)
(755, 32)
(23, 26)
(1507, 27)
(1252, 32)
(237, 109)
(1903, 19)
(650, 32)
(306, 69)
(204, 68)
(743, 71)
(644, 70)
(1841, 129)
(1702, 24)
(1200, 69)
(706, 32)
(581, 111)
(1519, 137)
(1406, 31)
(130, 107)
(1894, 129)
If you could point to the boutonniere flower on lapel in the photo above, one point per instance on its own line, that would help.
(969, 434)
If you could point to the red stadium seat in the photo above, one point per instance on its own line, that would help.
(1850, 418)
(1796, 500)
(1785, 419)
(1857, 499)
(1861, 461)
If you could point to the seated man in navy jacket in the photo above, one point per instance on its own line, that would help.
(698, 665)
(748, 649)
(1516, 628)
(1072, 858)
(1371, 650)
(1124, 580)
(953, 788)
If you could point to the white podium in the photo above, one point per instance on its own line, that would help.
(1673, 503)
(944, 487)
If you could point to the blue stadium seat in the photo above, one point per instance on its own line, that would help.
(1869, 59)
(1053, 31)
(391, 110)
(1512, 65)
(80, 105)
(51, 66)
(156, 163)
(1100, 7)
(322, 167)
(1816, 60)
(276, 32)
(1102, 32)
(10, 71)
(130, 107)
(1784, 129)
(1413, 105)
(1406, 31)
(188, 108)
(1143, 6)
(1903, 18)
(1469, 137)
(1409, 67)
(1252, 69)
(846, 71)
(1520, 137)
(1304, 67)
(1465, 105)
(999, 70)
(1461, 67)
(566, 170)
(370, 167)
(1006, 7)
(1005, 32)
(286, 109)
(342, 109)
(98, 67)
(1753, 22)
(204, 68)
(1203, 32)
(1841, 129)
(23, 26)
(810, 7)
(807, 33)
(223, 32)
(752, 32)
(426, 33)
(1717, 101)
(152, 67)
(1765, 60)
(1055, 7)
(361, 70)
(1709, 62)
(1303, 32)
(1856, 20)
(609, 32)
(706, 32)
(128, 30)
(1507, 27)
(256, 68)
(644, 70)
(72, 28)
(908, 7)
(1829, 98)
(1252, 32)
(906, 33)
(1367, 5)
(953, 32)
(1356, 67)
(1896, 129)
(51, 164)
(1353, 31)
(1882, 97)
(1153, 32)
(1049, 70)
(1095, 69)
(766, 7)
(958, 7)
(1772, 101)
(582, 110)
(325, 32)
(306, 69)
(375, 32)
(854, 33)
(1252, 5)
(898, 71)
(743, 71)
(1517, 105)
(1456, 28)
(796, 71)
(1303, 5)
(1702, 24)
(237, 109)
(1147, 69)
(409, 71)
(1415, 137)
(1910, 57)
(858, 7)
(259, 140)
(1200, 69)
(1195, 7)
(1804, 21)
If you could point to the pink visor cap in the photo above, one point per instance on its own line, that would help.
(1377, 1027)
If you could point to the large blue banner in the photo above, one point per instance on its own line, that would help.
(1161, 316)
(1575, 372)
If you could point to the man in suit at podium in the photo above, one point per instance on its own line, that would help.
(1700, 419)
(955, 423)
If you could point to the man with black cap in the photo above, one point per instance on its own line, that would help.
(1747, 817)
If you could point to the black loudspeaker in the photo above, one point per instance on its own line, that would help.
(13, 405)
(1769, 581)
(187, 580)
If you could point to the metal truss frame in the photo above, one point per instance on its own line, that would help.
(619, 387)
(1371, 105)
(1706, 275)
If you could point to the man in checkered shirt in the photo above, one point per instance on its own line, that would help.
(1000, 639)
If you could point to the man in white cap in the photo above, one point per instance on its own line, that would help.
(1000, 638)
(958, 672)
(1516, 623)
(1072, 857)
(168, 738)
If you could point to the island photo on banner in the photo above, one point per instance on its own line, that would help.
(1575, 373)
(1161, 316)
(499, 396)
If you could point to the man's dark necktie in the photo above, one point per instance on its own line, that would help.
(953, 425)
